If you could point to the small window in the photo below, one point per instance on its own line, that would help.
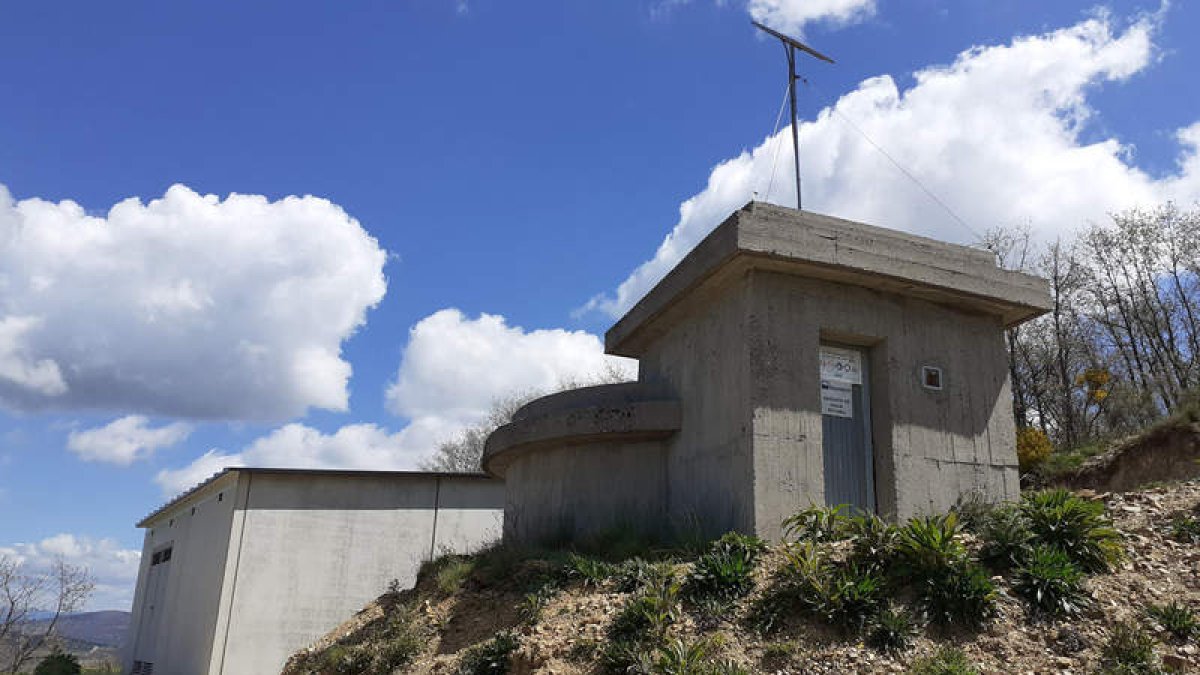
(931, 378)
(220, 496)
(193, 510)
(161, 556)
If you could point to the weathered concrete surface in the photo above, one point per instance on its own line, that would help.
(562, 453)
(293, 553)
(733, 334)
(930, 446)
(844, 251)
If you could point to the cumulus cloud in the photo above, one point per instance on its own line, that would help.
(114, 568)
(125, 440)
(187, 306)
(791, 16)
(997, 135)
(453, 369)
(297, 446)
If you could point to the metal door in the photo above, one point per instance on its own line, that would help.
(846, 428)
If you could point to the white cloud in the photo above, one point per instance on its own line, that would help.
(41, 377)
(114, 568)
(791, 16)
(996, 134)
(297, 446)
(455, 367)
(125, 440)
(452, 371)
(187, 306)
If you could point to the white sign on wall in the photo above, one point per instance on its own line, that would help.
(841, 365)
(837, 399)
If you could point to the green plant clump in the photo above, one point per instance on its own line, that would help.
(946, 661)
(727, 570)
(1051, 583)
(637, 573)
(1007, 539)
(1128, 651)
(1176, 618)
(817, 524)
(493, 657)
(58, 663)
(892, 631)
(646, 616)
(961, 594)
(873, 542)
(1076, 526)
(452, 571)
(590, 571)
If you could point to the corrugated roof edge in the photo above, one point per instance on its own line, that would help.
(354, 473)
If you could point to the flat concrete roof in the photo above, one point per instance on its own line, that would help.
(775, 238)
(195, 490)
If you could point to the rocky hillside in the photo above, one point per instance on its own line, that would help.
(1064, 582)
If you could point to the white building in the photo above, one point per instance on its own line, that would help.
(253, 564)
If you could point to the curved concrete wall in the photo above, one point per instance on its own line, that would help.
(583, 461)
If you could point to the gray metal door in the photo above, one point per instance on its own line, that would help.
(846, 428)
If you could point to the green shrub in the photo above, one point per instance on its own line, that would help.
(1128, 651)
(646, 616)
(590, 571)
(1006, 539)
(961, 593)
(58, 663)
(946, 661)
(817, 524)
(927, 546)
(873, 542)
(1176, 618)
(974, 510)
(1077, 526)
(636, 573)
(1185, 529)
(1050, 583)
(892, 631)
(493, 657)
(849, 598)
(453, 572)
(727, 569)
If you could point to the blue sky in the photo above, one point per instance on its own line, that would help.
(491, 183)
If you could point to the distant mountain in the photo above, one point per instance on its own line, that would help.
(105, 629)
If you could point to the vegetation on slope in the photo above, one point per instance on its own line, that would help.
(1059, 581)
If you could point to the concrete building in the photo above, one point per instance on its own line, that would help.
(790, 359)
(253, 564)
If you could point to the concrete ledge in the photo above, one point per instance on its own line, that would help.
(811, 245)
(624, 412)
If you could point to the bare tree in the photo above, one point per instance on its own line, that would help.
(61, 590)
(464, 452)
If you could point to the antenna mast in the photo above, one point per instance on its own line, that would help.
(790, 45)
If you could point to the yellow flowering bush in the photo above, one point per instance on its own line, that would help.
(1033, 447)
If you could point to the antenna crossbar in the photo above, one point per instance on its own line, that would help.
(790, 45)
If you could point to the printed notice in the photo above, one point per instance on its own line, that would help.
(837, 399)
(841, 365)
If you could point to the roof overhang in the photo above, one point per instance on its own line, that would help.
(778, 239)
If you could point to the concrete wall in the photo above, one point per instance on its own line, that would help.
(566, 492)
(270, 561)
(314, 550)
(930, 446)
(703, 360)
(177, 636)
